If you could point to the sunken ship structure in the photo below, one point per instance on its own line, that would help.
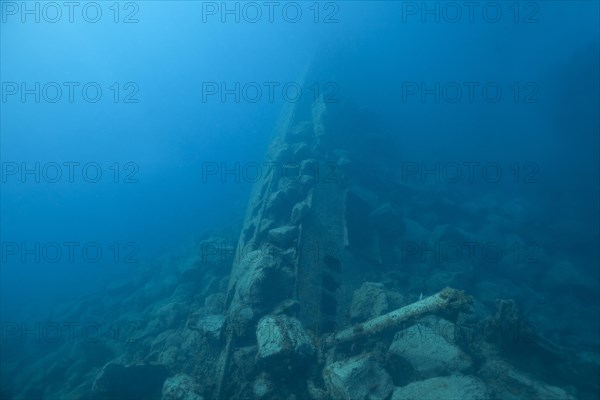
(314, 294)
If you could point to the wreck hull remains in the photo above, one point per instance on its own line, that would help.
(309, 238)
(324, 226)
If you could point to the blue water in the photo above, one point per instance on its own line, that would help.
(155, 130)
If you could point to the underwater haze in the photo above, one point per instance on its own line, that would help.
(300, 200)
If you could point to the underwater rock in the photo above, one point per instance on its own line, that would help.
(276, 202)
(449, 233)
(446, 274)
(163, 339)
(343, 158)
(244, 320)
(368, 301)
(507, 382)
(300, 151)
(143, 381)
(387, 220)
(211, 326)
(453, 387)
(299, 212)
(563, 276)
(266, 224)
(214, 303)
(488, 291)
(316, 392)
(263, 388)
(169, 357)
(310, 167)
(264, 281)
(304, 183)
(429, 351)
(301, 132)
(284, 234)
(288, 307)
(587, 371)
(282, 341)
(281, 152)
(193, 274)
(525, 264)
(298, 178)
(414, 232)
(357, 378)
(210, 285)
(242, 373)
(294, 192)
(194, 267)
(165, 315)
(156, 290)
(180, 387)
